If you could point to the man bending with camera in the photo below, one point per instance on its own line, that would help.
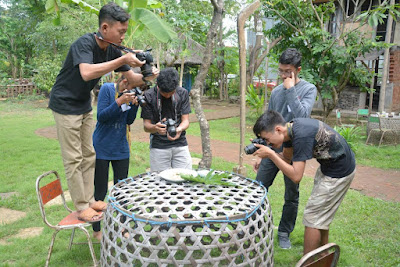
(166, 117)
(294, 98)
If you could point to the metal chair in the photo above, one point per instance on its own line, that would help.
(70, 222)
(362, 116)
(325, 256)
(385, 125)
(339, 120)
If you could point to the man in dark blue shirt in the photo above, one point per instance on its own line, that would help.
(303, 139)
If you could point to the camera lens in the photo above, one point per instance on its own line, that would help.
(172, 131)
(250, 149)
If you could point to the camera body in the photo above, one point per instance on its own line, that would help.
(171, 127)
(147, 67)
(139, 96)
(250, 149)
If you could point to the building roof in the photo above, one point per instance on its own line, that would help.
(196, 53)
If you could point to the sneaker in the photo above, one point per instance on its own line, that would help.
(284, 241)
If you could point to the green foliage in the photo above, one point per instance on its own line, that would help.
(254, 101)
(329, 58)
(211, 178)
(351, 134)
(47, 68)
(379, 14)
(142, 19)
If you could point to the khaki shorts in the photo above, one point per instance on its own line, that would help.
(326, 196)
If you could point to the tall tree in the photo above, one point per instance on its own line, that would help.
(17, 21)
(212, 37)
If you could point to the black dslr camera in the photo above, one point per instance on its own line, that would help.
(171, 128)
(139, 96)
(147, 67)
(250, 149)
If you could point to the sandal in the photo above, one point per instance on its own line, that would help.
(98, 205)
(90, 215)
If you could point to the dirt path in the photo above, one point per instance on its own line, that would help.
(378, 183)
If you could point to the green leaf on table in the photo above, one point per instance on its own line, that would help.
(210, 179)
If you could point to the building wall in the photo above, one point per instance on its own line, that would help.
(394, 77)
(350, 99)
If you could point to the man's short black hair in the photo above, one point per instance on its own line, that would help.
(291, 56)
(111, 13)
(168, 80)
(267, 122)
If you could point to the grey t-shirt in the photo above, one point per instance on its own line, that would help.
(295, 102)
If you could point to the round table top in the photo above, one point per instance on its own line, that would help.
(150, 198)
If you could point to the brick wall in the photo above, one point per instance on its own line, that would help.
(394, 76)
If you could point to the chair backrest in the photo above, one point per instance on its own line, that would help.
(48, 192)
(373, 119)
(362, 113)
(325, 256)
(338, 114)
(338, 119)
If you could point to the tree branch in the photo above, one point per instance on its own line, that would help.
(286, 21)
(321, 23)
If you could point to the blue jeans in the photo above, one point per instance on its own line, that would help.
(266, 174)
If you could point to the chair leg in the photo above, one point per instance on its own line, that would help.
(90, 245)
(380, 141)
(369, 135)
(51, 247)
(71, 240)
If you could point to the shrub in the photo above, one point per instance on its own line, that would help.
(351, 134)
(46, 71)
(255, 102)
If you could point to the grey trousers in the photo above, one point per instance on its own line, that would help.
(174, 157)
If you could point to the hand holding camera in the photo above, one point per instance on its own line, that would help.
(128, 98)
(250, 149)
(132, 60)
(140, 98)
(161, 128)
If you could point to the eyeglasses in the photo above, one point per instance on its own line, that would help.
(286, 72)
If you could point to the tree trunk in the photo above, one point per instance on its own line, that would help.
(221, 62)
(198, 84)
(182, 69)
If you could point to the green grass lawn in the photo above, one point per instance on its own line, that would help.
(367, 229)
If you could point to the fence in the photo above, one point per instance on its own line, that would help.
(24, 87)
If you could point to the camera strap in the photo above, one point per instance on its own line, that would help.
(120, 47)
(289, 127)
(159, 105)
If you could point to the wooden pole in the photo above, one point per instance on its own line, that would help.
(242, 17)
(371, 87)
(382, 93)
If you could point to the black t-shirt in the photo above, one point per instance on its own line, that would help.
(70, 94)
(168, 108)
(314, 139)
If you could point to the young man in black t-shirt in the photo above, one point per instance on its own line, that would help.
(89, 58)
(303, 139)
(167, 101)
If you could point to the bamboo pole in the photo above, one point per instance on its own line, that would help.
(242, 17)
(382, 93)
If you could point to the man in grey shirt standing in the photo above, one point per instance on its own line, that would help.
(294, 98)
